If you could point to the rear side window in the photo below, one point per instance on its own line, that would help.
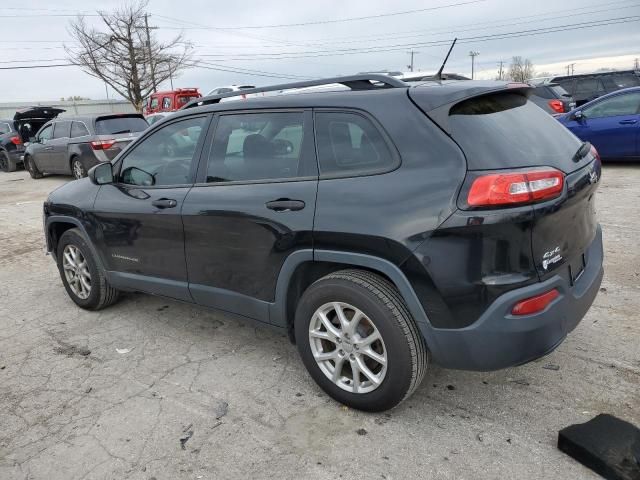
(587, 87)
(624, 80)
(61, 129)
(4, 128)
(154, 103)
(78, 129)
(350, 144)
(257, 146)
(506, 130)
(117, 125)
(166, 103)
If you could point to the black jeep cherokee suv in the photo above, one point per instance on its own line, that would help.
(380, 224)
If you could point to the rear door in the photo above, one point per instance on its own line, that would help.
(252, 207)
(611, 125)
(58, 147)
(504, 131)
(141, 237)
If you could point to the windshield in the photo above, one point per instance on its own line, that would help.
(115, 125)
(505, 130)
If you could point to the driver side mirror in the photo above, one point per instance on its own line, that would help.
(578, 116)
(34, 140)
(101, 174)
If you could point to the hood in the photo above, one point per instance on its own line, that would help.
(37, 113)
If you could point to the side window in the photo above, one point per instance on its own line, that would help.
(166, 103)
(154, 103)
(628, 104)
(349, 144)
(223, 90)
(61, 129)
(46, 133)
(78, 129)
(164, 157)
(256, 146)
(4, 128)
(588, 87)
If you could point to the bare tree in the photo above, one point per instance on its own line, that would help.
(125, 54)
(521, 70)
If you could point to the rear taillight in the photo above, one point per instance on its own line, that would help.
(595, 153)
(500, 189)
(16, 140)
(557, 106)
(535, 304)
(102, 144)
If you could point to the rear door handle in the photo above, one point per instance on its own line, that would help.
(164, 203)
(285, 205)
(627, 122)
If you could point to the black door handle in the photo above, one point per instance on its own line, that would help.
(285, 205)
(164, 203)
(627, 122)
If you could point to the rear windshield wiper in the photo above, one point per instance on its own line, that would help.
(582, 152)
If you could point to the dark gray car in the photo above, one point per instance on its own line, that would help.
(72, 145)
(552, 98)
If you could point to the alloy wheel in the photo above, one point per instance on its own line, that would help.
(76, 271)
(348, 347)
(78, 169)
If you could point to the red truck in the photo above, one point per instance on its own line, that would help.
(170, 101)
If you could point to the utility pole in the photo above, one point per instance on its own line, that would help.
(151, 65)
(636, 64)
(473, 56)
(412, 53)
(501, 70)
(570, 66)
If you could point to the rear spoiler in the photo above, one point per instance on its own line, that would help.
(437, 107)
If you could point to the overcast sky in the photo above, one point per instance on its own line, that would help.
(328, 46)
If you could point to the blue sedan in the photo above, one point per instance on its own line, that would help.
(611, 123)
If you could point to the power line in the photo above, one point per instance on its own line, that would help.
(340, 20)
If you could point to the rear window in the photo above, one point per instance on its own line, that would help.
(506, 130)
(116, 125)
(559, 91)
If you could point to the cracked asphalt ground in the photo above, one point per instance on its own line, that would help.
(152, 388)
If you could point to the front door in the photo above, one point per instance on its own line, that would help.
(252, 207)
(612, 125)
(141, 234)
(41, 151)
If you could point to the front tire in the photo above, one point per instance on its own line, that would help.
(83, 278)
(31, 167)
(358, 340)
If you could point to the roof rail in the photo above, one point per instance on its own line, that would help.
(354, 82)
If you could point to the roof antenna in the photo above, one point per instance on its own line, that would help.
(438, 75)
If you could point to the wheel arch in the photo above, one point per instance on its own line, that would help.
(57, 225)
(304, 267)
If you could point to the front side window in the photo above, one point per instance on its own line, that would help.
(166, 103)
(628, 104)
(45, 133)
(61, 129)
(256, 146)
(350, 144)
(154, 103)
(78, 129)
(165, 157)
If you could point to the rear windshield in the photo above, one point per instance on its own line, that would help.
(559, 91)
(184, 99)
(505, 130)
(116, 125)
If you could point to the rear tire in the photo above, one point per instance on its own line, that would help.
(31, 167)
(83, 278)
(6, 164)
(77, 168)
(340, 356)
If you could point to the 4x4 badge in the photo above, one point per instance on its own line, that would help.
(551, 257)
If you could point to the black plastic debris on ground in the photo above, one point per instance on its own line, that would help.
(607, 445)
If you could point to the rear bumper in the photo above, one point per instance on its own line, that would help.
(499, 340)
